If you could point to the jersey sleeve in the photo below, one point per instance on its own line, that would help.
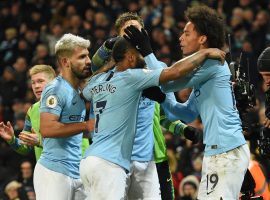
(143, 78)
(85, 145)
(100, 58)
(86, 92)
(175, 127)
(16, 145)
(27, 122)
(207, 71)
(184, 111)
(52, 101)
(152, 62)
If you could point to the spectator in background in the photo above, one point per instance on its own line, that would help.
(9, 90)
(50, 38)
(20, 67)
(8, 46)
(14, 191)
(24, 50)
(258, 173)
(188, 189)
(42, 56)
(259, 30)
(26, 177)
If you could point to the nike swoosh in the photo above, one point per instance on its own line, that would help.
(137, 47)
(73, 103)
(169, 179)
(209, 192)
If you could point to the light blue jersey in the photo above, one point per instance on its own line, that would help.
(144, 139)
(213, 99)
(62, 155)
(115, 97)
(143, 147)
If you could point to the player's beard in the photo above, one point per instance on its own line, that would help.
(80, 74)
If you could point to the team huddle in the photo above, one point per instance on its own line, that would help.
(126, 87)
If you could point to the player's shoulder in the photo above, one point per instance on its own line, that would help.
(58, 85)
(216, 68)
(52, 84)
(33, 108)
(35, 105)
(214, 62)
(133, 72)
(97, 77)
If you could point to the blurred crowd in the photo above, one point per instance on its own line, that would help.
(29, 30)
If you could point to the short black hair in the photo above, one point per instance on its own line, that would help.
(120, 47)
(264, 61)
(207, 22)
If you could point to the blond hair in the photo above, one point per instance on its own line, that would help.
(47, 69)
(67, 43)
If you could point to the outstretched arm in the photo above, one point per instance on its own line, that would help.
(7, 133)
(184, 66)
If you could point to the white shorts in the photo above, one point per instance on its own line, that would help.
(223, 174)
(103, 180)
(143, 181)
(51, 185)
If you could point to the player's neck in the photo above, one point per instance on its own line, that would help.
(124, 65)
(121, 68)
(73, 81)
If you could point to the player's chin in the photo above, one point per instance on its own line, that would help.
(86, 73)
(38, 95)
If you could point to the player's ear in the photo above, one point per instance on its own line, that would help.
(64, 61)
(130, 56)
(203, 39)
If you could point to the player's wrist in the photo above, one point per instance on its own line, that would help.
(12, 140)
(205, 52)
(84, 126)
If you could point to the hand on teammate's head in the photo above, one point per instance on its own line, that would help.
(139, 39)
(110, 42)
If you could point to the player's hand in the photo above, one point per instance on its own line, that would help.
(90, 125)
(154, 93)
(139, 39)
(6, 131)
(109, 43)
(218, 54)
(30, 139)
(192, 134)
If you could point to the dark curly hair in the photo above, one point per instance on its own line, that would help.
(127, 16)
(207, 22)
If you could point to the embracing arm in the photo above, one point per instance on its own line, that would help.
(184, 66)
(51, 127)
